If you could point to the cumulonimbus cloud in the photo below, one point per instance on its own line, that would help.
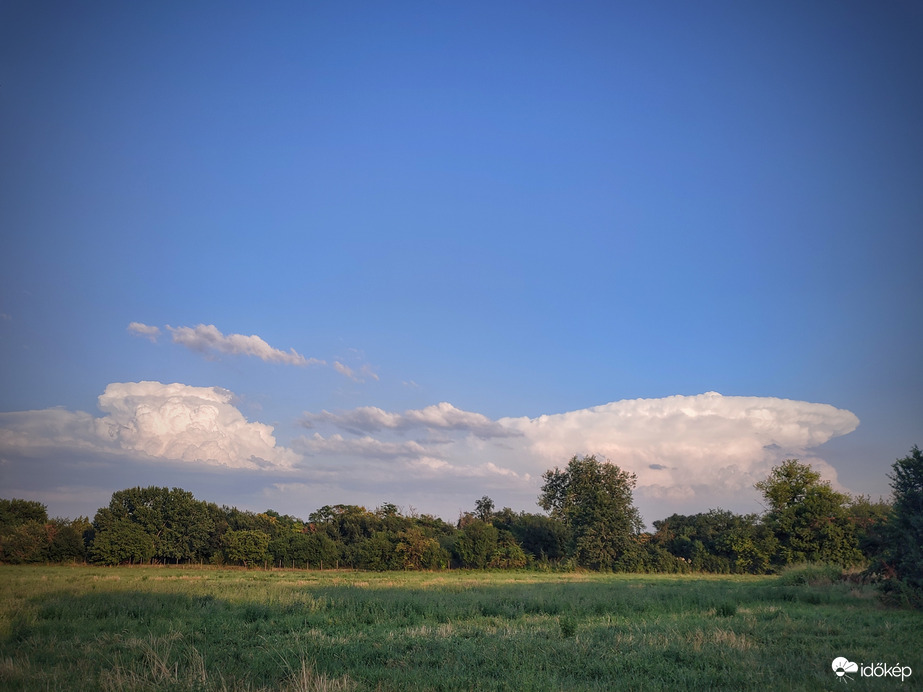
(175, 422)
(678, 444)
(679, 447)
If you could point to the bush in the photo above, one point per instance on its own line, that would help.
(811, 574)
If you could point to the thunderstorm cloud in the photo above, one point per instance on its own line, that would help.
(707, 447)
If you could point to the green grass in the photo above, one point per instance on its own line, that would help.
(167, 628)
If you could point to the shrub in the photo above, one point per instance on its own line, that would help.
(811, 574)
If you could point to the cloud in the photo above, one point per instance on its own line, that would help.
(362, 447)
(679, 444)
(424, 457)
(690, 453)
(151, 420)
(365, 372)
(442, 416)
(147, 331)
(705, 450)
(206, 338)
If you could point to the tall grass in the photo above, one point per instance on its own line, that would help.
(163, 628)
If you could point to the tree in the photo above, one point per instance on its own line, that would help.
(27, 542)
(541, 536)
(903, 550)
(808, 518)
(247, 547)
(178, 524)
(67, 539)
(122, 541)
(477, 543)
(717, 541)
(509, 554)
(594, 501)
(484, 508)
(15, 512)
(419, 551)
(870, 520)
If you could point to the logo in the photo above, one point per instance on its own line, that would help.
(842, 666)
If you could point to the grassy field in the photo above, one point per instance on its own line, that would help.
(167, 628)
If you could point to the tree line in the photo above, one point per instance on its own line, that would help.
(590, 522)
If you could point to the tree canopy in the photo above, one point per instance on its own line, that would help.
(810, 520)
(593, 499)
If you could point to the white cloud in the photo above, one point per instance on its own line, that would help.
(705, 450)
(365, 372)
(145, 330)
(690, 453)
(680, 442)
(152, 420)
(442, 416)
(206, 338)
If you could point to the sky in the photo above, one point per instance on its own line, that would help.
(292, 254)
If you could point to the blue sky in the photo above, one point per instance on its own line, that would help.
(468, 241)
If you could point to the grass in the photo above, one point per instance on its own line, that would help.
(168, 628)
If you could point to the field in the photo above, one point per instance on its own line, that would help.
(168, 628)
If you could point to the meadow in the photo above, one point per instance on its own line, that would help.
(176, 628)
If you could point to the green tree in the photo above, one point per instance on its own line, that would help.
(15, 512)
(416, 550)
(540, 536)
(870, 520)
(903, 551)
(24, 543)
(378, 552)
(484, 508)
(476, 544)
(67, 542)
(247, 547)
(122, 541)
(317, 550)
(809, 519)
(508, 554)
(717, 541)
(593, 499)
(178, 524)
(187, 526)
